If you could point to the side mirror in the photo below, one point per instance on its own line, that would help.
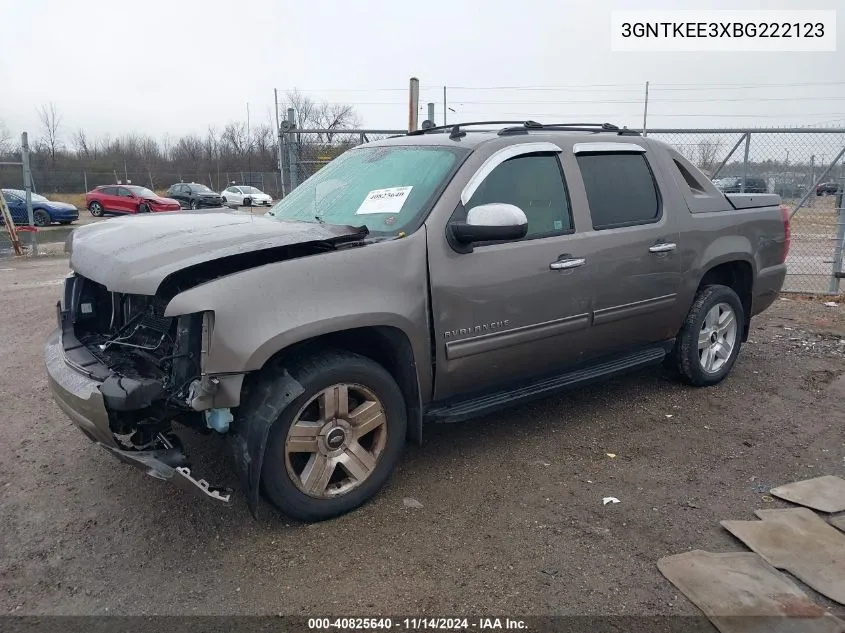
(489, 223)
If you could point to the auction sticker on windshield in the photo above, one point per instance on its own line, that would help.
(384, 200)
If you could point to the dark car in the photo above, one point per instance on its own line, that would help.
(827, 188)
(194, 196)
(733, 184)
(125, 199)
(44, 212)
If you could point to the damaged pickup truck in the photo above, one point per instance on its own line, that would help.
(430, 277)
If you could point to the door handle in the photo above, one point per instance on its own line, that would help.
(663, 248)
(565, 264)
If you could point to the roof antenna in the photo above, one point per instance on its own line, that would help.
(457, 132)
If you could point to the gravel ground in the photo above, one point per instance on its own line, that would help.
(511, 517)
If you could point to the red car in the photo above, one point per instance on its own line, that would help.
(127, 199)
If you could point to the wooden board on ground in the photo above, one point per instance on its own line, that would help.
(741, 593)
(826, 494)
(800, 542)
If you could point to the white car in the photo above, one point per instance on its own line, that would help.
(245, 196)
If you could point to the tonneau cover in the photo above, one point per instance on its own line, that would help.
(753, 200)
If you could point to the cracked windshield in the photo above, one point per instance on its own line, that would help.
(383, 188)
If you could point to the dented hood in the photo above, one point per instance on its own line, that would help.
(134, 254)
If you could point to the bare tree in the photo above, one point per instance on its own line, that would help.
(708, 152)
(50, 124)
(234, 139)
(83, 147)
(5, 139)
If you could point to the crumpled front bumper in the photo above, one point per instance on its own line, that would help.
(78, 395)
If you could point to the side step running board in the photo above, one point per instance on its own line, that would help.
(482, 405)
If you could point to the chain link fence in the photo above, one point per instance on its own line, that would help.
(66, 181)
(804, 166)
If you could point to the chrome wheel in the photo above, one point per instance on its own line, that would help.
(336, 441)
(717, 337)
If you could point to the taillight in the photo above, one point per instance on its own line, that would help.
(787, 231)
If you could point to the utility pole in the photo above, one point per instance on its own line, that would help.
(444, 105)
(431, 113)
(279, 141)
(248, 146)
(413, 104)
(645, 111)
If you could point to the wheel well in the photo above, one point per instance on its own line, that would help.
(739, 277)
(387, 346)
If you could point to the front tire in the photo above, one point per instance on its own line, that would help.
(96, 209)
(332, 448)
(41, 218)
(143, 208)
(194, 205)
(709, 341)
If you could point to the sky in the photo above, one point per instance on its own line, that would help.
(171, 67)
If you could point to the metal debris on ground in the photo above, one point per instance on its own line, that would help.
(826, 494)
(800, 542)
(831, 304)
(732, 586)
(410, 502)
(607, 500)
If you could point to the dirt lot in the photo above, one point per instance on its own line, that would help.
(511, 518)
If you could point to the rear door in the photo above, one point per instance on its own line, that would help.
(513, 310)
(633, 245)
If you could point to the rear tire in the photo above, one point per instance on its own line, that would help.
(41, 218)
(708, 344)
(96, 209)
(342, 391)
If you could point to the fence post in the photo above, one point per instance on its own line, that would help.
(836, 272)
(85, 178)
(27, 184)
(292, 166)
(812, 201)
(745, 163)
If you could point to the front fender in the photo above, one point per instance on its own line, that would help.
(262, 310)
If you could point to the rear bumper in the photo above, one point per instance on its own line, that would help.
(769, 282)
(79, 397)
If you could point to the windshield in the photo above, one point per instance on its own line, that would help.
(200, 188)
(383, 188)
(37, 198)
(250, 190)
(142, 192)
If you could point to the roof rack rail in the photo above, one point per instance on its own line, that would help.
(573, 127)
(522, 127)
(455, 128)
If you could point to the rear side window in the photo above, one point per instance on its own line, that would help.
(533, 183)
(620, 189)
(692, 182)
(109, 191)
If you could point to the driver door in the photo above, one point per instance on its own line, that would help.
(514, 310)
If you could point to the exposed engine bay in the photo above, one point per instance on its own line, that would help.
(154, 363)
